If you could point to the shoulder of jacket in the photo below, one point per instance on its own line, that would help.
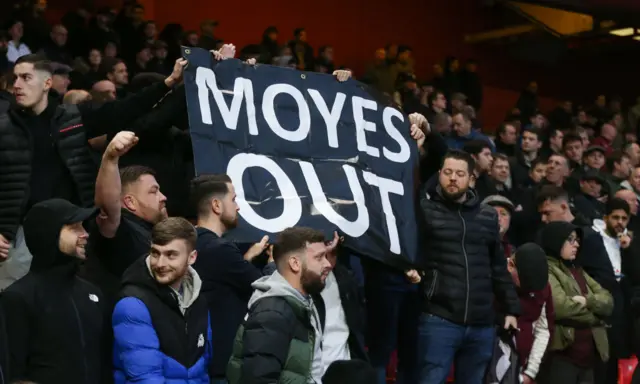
(272, 304)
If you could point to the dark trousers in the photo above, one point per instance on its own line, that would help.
(392, 319)
(442, 343)
(556, 370)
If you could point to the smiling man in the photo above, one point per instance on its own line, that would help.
(161, 323)
(55, 320)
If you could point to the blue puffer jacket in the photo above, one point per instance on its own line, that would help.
(154, 342)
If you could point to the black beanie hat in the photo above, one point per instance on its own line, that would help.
(531, 263)
(553, 236)
(349, 371)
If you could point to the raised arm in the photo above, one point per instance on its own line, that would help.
(100, 119)
(108, 184)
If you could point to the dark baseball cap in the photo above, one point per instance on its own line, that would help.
(64, 211)
(594, 148)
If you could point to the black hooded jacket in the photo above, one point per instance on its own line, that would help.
(463, 261)
(53, 319)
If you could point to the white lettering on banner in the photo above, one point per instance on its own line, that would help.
(243, 90)
(405, 152)
(292, 205)
(269, 112)
(355, 228)
(330, 118)
(387, 186)
(292, 211)
(206, 81)
(362, 125)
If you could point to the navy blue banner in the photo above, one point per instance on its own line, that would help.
(304, 149)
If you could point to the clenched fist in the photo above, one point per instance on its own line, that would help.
(120, 145)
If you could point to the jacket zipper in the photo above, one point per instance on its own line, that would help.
(432, 287)
(82, 341)
(466, 263)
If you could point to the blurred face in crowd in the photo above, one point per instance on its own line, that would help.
(119, 76)
(31, 86)
(170, 263)
(504, 219)
(111, 50)
(538, 172)
(556, 141)
(582, 117)
(106, 87)
(454, 178)
(103, 20)
(483, 160)
(144, 199)
(392, 51)
(530, 142)
(595, 160)
(569, 249)
(59, 35)
(328, 54)
(573, 150)
(500, 170)
(601, 101)
(60, 83)
(584, 137)
(302, 36)
(440, 101)
(138, 15)
(150, 30)
(538, 121)
(443, 123)
(404, 56)
(144, 56)
(16, 31)
(616, 222)
(461, 126)
(509, 135)
(457, 104)
(591, 188)
(438, 71)
(623, 168)
(630, 137)
(618, 121)
(95, 58)
(609, 132)
(557, 169)
(226, 208)
(634, 180)
(553, 211)
(380, 55)
(567, 106)
(161, 53)
(73, 239)
(633, 151)
(192, 39)
(630, 198)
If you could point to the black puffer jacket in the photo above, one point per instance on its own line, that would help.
(463, 261)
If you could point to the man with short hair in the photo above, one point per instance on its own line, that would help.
(529, 151)
(106, 88)
(464, 132)
(115, 71)
(226, 273)
(633, 182)
(619, 166)
(558, 170)
(501, 176)
(161, 322)
(633, 151)
(281, 338)
(482, 183)
(56, 323)
(45, 154)
(131, 203)
(465, 271)
(506, 139)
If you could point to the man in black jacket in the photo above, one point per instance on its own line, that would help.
(465, 270)
(54, 320)
(44, 151)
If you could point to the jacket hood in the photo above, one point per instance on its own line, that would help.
(276, 285)
(533, 270)
(42, 226)
(139, 274)
(554, 235)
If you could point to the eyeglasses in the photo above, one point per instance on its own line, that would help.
(573, 240)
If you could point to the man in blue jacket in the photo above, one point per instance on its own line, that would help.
(161, 323)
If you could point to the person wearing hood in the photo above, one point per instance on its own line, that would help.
(464, 273)
(529, 270)
(281, 338)
(53, 319)
(581, 306)
(161, 323)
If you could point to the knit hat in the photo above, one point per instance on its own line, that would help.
(349, 371)
(531, 263)
(499, 201)
(553, 236)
